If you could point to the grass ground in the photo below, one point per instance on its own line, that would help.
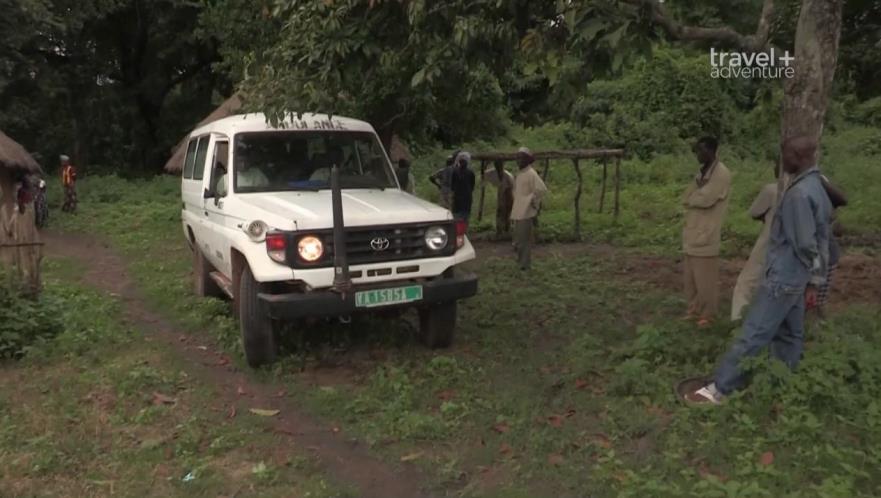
(561, 380)
(101, 410)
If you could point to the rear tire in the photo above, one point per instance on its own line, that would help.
(437, 325)
(203, 284)
(258, 330)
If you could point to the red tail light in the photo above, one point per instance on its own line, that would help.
(461, 228)
(277, 246)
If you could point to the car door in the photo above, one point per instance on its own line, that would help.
(193, 191)
(216, 171)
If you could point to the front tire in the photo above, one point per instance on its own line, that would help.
(437, 325)
(258, 330)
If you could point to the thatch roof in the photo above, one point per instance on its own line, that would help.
(229, 107)
(14, 157)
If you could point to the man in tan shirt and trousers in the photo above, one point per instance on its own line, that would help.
(706, 204)
(529, 189)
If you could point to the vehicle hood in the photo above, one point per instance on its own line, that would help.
(313, 210)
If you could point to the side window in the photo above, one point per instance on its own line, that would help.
(220, 166)
(201, 153)
(190, 160)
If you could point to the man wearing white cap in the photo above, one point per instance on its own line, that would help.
(529, 189)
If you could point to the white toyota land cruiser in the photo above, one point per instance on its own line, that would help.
(264, 209)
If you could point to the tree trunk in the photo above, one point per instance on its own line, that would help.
(806, 94)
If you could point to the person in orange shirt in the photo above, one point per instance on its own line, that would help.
(68, 181)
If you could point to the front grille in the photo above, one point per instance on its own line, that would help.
(405, 242)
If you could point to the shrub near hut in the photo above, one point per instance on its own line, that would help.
(24, 321)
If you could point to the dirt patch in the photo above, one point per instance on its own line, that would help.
(345, 460)
(857, 280)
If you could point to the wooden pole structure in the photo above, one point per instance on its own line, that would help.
(617, 183)
(603, 185)
(482, 189)
(577, 200)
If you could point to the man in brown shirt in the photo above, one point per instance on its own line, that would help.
(706, 204)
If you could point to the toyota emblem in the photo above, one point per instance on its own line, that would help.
(379, 244)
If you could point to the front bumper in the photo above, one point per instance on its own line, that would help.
(328, 303)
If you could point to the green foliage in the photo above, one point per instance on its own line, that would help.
(398, 65)
(25, 322)
(660, 105)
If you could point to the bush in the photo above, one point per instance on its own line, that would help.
(663, 104)
(25, 321)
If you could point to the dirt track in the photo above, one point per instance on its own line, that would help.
(344, 460)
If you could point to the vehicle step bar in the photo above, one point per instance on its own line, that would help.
(224, 283)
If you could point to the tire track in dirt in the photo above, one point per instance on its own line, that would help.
(346, 461)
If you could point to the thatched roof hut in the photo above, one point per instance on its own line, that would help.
(14, 157)
(20, 246)
(229, 107)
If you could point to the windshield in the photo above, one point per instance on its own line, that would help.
(297, 160)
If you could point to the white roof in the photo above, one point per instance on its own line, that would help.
(240, 123)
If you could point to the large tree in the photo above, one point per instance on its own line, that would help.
(408, 67)
(600, 34)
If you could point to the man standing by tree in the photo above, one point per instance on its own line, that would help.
(405, 176)
(442, 178)
(750, 277)
(706, 202)
(504, 183)
(462, 186)
(529, 189)
(798, 256)
(68, 181)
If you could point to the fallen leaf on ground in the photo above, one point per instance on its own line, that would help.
(767, 458)
(446, 394)
(505, 449)
(555, 421)
(264, 413)
(411, 456)
(241, 391)
(602, 440)
(502, 427)
(203, 348)
(570, 413)
(280, 394)
(161, 399)
(555, 459)
(232, 412)
(335, 430)
(580, 383)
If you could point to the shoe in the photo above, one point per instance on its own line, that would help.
(707, 395)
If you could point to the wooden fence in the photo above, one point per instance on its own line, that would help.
(602, 156)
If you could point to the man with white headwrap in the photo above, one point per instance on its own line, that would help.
(529, 189)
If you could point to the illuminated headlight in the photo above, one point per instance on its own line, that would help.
(256, 230)
(436, 238)
(310, 249)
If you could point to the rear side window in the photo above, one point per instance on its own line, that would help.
(190, 160)
(201, 153)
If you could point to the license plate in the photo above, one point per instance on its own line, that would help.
(386, 297)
